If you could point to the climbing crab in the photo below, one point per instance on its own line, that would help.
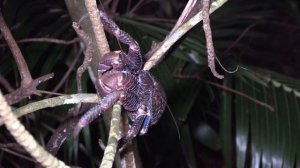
(121, 78)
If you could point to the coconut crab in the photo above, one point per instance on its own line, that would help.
(121, 78)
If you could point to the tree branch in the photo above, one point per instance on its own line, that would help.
(6, 84)
(16, 52)
(68, 72)
(103, 47)
(94, 29)
(155, 55)
(209, 42)
(197, 77)
(88, 54)
(28, 86)
(111, 148)
(46, 40)
(26, 91)
(55, 101)
(101, 40)
(25, 139)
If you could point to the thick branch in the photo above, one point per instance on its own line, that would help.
(111, 148)
(103, 48)
(93, 28)
(101, 40)
(55, 101)
(25, 139)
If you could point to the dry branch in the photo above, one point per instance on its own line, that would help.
(18, 56)
(209, 42)
(155, 55)
(28, 85)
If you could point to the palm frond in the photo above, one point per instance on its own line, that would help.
(262, 137)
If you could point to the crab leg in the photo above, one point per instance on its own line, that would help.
(146, 124)
(63, 132)
(135, 127)
(134, 54)
(106, 103)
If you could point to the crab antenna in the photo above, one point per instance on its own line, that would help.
(174, 120)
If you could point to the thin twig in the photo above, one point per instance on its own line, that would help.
(26, 91)
(25, 139)
(88, 54)
(101, 144)
(50, 40)
(239, 38)
(154, 19)
(23, 156)
(135, 7)
(6, 84)
(185, 13)
(128, 5)
(9, 145)
(50, 93)
(209, 42)
(46, 40)
(197, 77)
(114, 5)
(271, 108)
(67, 74)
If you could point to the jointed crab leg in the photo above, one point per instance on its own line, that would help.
(106, 103)
(146, 124)
(135, 127)
(134, 53)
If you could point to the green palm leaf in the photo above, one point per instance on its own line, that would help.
(265, 138)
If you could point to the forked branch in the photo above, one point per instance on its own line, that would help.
(16, 52)
(28, 85)
(155, 55)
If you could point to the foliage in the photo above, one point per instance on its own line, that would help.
(260, 136)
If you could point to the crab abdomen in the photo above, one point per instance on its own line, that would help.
(152, 95)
